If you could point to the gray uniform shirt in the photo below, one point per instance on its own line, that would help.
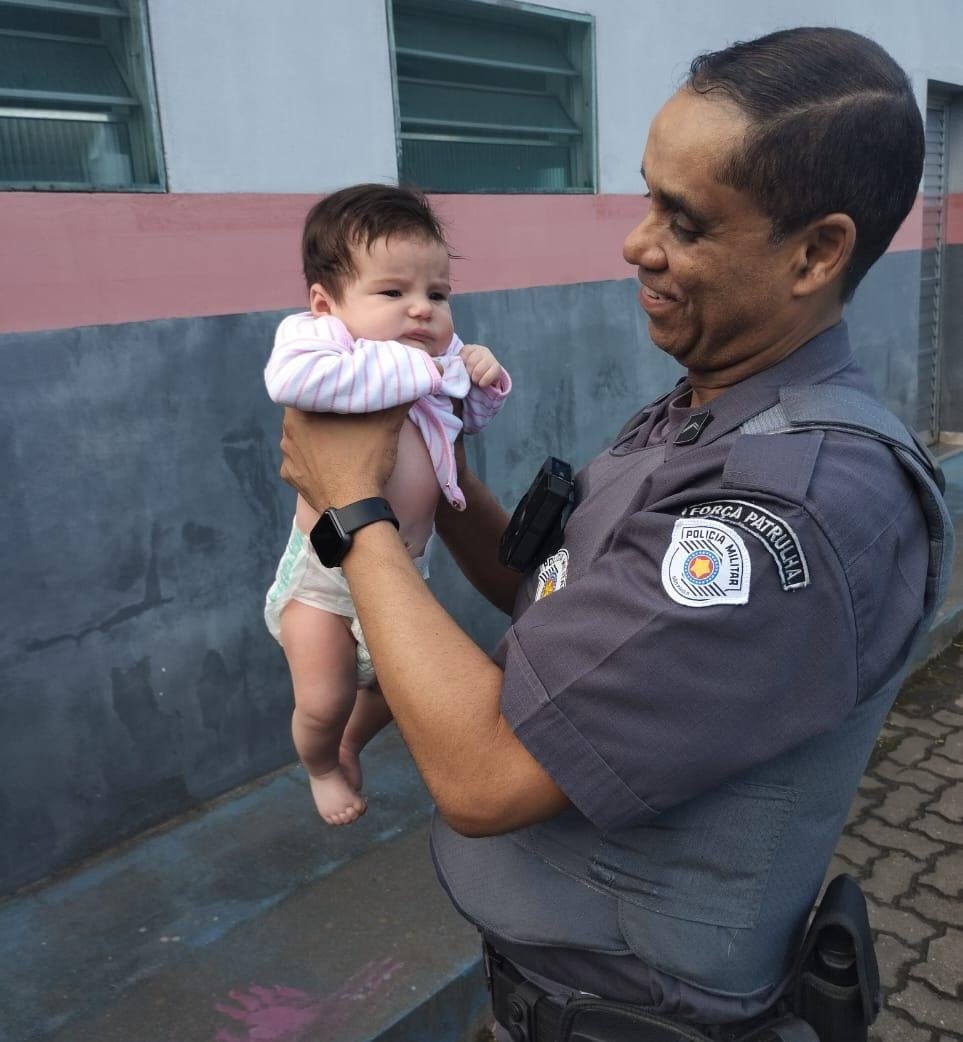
(718, 601)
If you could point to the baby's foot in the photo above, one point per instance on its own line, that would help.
(337, 802)
(350, 763)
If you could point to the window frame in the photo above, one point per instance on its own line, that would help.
(585, 155)
(130, 49)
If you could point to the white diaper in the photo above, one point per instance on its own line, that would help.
(302, 577)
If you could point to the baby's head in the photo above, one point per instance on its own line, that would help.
(376, 258)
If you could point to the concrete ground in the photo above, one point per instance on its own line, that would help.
(250, 921)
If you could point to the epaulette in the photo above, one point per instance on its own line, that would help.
(823, 407)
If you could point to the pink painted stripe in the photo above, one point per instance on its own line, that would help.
(71, 259)
(954, 220)
(83, 259)
(516, 241)
(910, 234)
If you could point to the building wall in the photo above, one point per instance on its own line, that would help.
(262, 108)
(270, 98)
(144, 514)
(143, 519)
(292, 96)
(951, 377)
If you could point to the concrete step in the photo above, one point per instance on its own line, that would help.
(251, 920)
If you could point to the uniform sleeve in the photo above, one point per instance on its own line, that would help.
(635, 700)
(316, 366)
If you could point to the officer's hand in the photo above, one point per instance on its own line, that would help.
(335, 460)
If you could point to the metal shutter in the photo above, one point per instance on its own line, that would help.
(934, 204)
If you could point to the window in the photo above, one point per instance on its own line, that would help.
(76, 96)
(494, 98)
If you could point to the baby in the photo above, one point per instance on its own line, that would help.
(379, 333)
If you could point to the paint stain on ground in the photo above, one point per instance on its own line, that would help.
(282, 1014)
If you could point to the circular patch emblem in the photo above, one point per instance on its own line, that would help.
(702, 567)
(706, 563)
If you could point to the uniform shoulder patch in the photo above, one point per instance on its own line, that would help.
(771, 530)
(552, 575)
(706, 564)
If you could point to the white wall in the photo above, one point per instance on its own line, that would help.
(643, 50)
(273, 95)
(268, 97)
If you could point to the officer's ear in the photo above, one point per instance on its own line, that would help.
(825, 248)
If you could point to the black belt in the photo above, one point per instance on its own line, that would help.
(530, 1014)
(835, 988)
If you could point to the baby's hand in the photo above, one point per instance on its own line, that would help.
(482, 365)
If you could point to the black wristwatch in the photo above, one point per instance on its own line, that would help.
(331, 536)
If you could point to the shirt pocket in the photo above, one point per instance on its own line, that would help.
(707, 860)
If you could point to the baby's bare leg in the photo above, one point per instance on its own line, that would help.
(369, 716)
(321, 656)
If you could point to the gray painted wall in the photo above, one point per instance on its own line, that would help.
(143, 516)
(951, 360)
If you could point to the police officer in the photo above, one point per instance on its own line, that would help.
(639, 796)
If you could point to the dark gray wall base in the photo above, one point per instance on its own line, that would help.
(951, 380)
(883, 321)
(143, 518)
(141, 522)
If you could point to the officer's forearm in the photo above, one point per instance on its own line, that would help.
(444, 693)
(472, 536)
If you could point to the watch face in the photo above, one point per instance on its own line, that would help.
(329, 542)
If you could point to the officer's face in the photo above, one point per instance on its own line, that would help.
(716, 290)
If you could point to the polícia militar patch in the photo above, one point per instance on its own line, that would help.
(770, 529)
(552, 574)
(706, 564)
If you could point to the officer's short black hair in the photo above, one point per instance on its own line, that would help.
(833, 128)
(358, 216)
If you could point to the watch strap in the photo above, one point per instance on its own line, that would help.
(364, 512)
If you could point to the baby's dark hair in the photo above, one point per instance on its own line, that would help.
(359, 216)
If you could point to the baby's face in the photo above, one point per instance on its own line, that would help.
(401, 293)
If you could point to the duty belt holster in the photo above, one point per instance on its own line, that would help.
(836, 977)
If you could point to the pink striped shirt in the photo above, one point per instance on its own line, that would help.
(317, 366)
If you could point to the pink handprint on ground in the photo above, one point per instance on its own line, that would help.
(282, 1014)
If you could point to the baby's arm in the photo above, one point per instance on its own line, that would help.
(490, 385)
(318, 367)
